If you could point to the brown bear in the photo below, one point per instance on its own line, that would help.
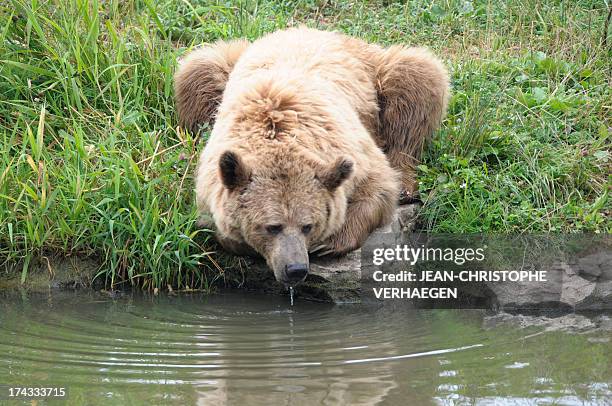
(316, 135)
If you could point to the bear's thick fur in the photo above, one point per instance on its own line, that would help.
(316, 135)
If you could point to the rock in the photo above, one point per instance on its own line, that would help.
(570, 323)
(597, 265)
(600, 297)
(604, 322)
(582, 284)
(405, 218)
(564, 288)
(530, 295)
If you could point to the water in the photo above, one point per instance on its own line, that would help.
(250, 349)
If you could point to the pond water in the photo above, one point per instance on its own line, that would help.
(253, 349)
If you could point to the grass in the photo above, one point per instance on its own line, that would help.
(92, 162)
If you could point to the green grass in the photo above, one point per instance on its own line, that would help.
(92, 162)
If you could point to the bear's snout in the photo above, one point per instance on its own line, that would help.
(288, 257)
(296, 273)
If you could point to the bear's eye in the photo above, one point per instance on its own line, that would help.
(306, 228)
(274, 229)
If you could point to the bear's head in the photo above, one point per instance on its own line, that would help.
(282, 205)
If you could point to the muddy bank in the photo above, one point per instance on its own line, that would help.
(53, 272)
(579, 270)
(335, 280)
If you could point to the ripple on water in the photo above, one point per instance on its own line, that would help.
(253, 348)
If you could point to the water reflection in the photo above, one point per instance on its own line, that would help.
(246, 349)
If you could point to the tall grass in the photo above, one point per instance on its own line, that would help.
(92, 162)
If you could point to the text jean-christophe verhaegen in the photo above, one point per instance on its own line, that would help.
(459, 256)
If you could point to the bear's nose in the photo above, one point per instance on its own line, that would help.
(296, 272)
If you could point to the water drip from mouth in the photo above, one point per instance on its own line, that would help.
(291, 294)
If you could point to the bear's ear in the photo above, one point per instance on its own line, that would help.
(234, 174)
(335, 175)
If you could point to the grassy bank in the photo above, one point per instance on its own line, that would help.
(92, 162)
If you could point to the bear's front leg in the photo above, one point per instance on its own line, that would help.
(365, 213)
